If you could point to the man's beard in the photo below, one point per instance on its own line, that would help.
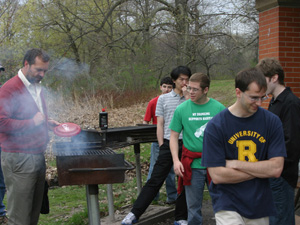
(34, 80)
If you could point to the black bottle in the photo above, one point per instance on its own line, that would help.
(103, 120)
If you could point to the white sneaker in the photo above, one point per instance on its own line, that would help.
(129, 219)
(181, 222)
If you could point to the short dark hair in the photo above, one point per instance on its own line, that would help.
(270, 67)
(166, 80)
(180, 70)
(247, 76)
(202, 78)
(31, 54)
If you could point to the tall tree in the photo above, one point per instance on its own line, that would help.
(131, 44)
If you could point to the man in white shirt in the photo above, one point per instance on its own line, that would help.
(24, 136)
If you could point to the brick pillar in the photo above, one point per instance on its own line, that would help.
(279, 37)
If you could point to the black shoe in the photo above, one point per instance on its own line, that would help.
(171, 202)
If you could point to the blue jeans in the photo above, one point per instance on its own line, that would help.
(170, 181)
(2, 191)
(283, 195)
(194, 196)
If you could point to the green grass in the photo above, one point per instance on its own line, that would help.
(64, 201)
(223, 91)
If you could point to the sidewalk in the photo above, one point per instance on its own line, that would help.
(153, 215)
(160, 215)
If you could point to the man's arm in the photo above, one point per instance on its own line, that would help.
(178, 167)
(160, 130)
(223, 175)
(52, 123)
(148, 114)
(237, 171)
(261, 169)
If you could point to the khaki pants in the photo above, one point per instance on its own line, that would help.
(24, 176)
(233, 218)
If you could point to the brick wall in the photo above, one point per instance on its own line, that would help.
(279, 36)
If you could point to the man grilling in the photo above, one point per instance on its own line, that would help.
(24, 127)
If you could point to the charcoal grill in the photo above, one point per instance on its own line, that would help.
(89, 159)
(90, 164)
(119, 137)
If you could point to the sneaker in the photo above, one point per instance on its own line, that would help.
(129, 219)
(170, 202)
(3, 220)
(181, 222)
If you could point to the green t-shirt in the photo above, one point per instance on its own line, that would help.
(191, 119)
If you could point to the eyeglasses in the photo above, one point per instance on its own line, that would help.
(256, 99)
(189, 89)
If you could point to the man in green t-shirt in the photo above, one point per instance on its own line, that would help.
(191, 118)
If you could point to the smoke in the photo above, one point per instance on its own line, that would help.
(68, 68)
(58, 81)
(56, 104)
(62, 67)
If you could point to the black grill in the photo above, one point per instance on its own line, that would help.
(72, 149)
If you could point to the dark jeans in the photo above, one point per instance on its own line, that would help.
(283, 195)
(160, 172)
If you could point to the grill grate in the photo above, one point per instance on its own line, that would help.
(80, 149)
(84, 152)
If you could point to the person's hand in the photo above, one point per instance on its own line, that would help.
(52, 123)
(178, 168)
(185, 93)
(38, 118)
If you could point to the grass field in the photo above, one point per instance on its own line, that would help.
(68, 204)
(223, 91)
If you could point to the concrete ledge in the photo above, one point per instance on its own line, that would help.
(154, 214)
(158, 215)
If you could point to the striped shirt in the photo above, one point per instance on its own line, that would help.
(165, 108)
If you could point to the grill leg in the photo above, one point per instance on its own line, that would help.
(137, 151)
(93, 204)
(110, 199)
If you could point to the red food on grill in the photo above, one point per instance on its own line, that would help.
(67, 129)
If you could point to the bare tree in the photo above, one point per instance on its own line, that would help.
(133, 43)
